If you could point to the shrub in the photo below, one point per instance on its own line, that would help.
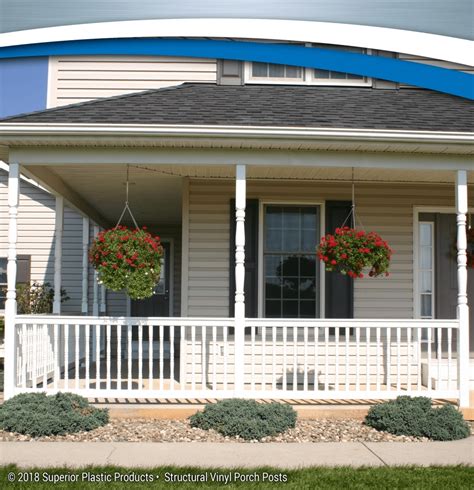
(37, 414)
(416, 417)
(37, 298)
(245, 418)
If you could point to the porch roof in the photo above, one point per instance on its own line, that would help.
(271, 106)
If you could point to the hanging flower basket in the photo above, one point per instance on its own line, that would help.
(127, 259)
(350, 251)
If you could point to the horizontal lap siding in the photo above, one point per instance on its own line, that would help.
(385, 208)
(80, 78)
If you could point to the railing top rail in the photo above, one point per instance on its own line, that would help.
(122, 320)
(229, 322)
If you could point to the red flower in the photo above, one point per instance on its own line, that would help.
(119, 255)
(333, 262)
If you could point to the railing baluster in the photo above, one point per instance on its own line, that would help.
(35, 355)
(377, 348)
(336, 343)
(24, 354)
(129, 355)
(264, 356)
(429, 383)
(295, 358)
(172, 356)
(182, 340)
(305, 358)
(389, 359)
(419, 336)
(226, 353)
(274, 341)
(316, 358)
(347, 332)
(56, 356)
(357, 332)
(203, 354)
(140, 355)
(450, 337)
(108, 331)
(214, 357)
(252, 357)
(439, 355)
(150, 357)
(66, 356)
(97, 356)
(76, 356)
(409, 348)
(326, 360)
(162, 354)
(398, 359)
(367, 358)
(119, 356)
(193, 354)
(45, 356)
(284, 356)
(87, 335)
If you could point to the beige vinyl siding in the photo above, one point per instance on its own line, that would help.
(385, 208)
(80, 78)
(36, 216)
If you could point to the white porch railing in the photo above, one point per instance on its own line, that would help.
(106, 357)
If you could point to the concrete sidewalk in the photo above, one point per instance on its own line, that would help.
(228, 455)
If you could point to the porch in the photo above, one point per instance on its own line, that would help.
(209, 355)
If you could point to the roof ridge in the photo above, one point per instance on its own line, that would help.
(103, 99)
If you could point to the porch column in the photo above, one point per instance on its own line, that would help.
(95, 299)
(462, 306)
(58, 253)
(85, 266)
(10, 304)
(240, 200)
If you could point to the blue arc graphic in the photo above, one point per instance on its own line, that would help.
(407, 72)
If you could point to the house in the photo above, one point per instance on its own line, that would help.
(241, 170)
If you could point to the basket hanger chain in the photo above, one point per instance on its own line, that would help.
(126, 207)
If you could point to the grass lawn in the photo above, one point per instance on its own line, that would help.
(451, 477)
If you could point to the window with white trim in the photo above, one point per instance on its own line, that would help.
(256, 72)
(290, 267)
(426, 269)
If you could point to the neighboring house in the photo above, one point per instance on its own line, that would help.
(277, 148)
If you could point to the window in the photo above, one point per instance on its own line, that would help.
(3, 282)
(426, 269)
(284, 74)
(269, 71)
(291, 271)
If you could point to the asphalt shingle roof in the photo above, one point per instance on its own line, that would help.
(272, 105)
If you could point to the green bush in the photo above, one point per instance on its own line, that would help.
(39, 415)
(37, 298)
(245, 418)
(416, 417)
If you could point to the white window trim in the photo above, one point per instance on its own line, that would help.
(416, 244)
(322, 269)
(307, 78)
(433, 272)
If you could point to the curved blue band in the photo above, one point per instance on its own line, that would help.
(407, 72)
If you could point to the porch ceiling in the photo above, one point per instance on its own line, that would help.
(155, 199)
(156, 190)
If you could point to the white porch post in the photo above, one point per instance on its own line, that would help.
(10, 304)
(95, 300)
(85, 266)
(462, 306)
(58, 253)
(239, 309)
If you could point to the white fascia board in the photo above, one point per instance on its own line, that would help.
(422, 44)
(18, 130)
